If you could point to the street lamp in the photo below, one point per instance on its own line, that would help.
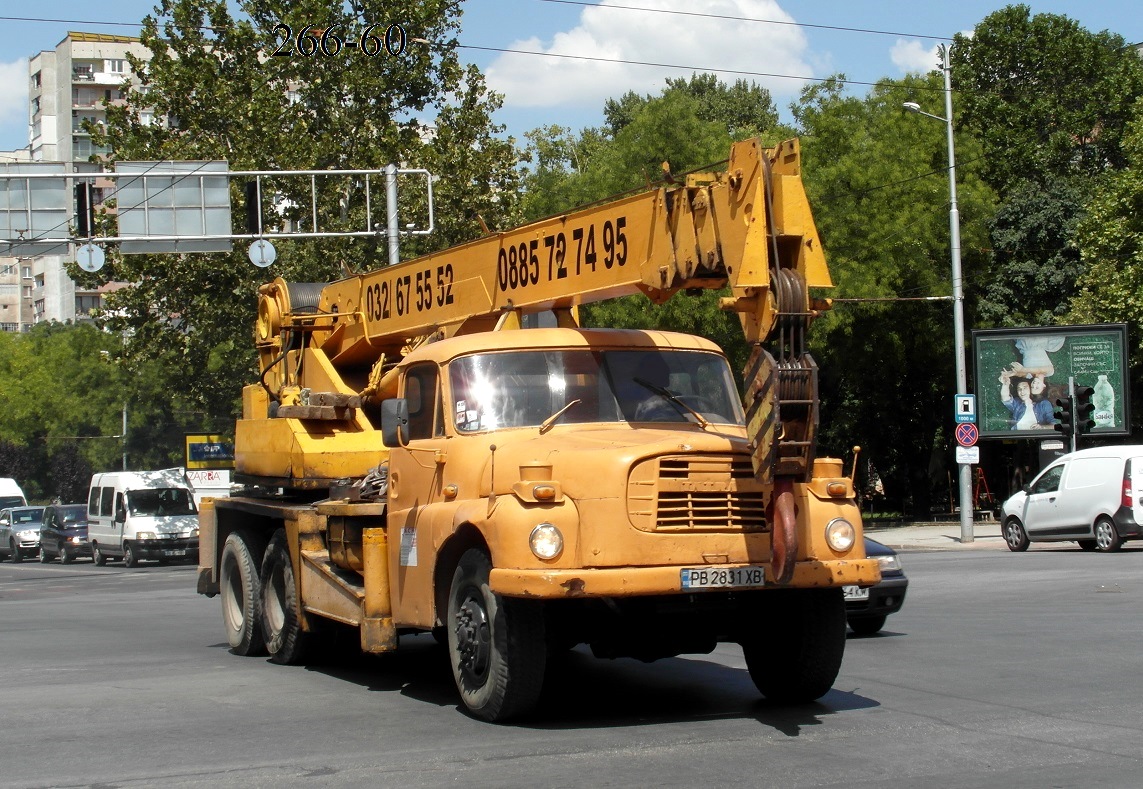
(965, 474)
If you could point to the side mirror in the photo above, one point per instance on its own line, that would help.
(394, 418)
(121, 516)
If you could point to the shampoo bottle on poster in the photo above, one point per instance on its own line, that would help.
(1104, 401)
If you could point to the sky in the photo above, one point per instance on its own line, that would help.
(582, 53)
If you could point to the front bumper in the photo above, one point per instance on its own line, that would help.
(642, 581)
(184, 548)
(884, 599)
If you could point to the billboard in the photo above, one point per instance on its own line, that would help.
(205, 451)
(1020, 373)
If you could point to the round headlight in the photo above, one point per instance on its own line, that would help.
(840, 534)
(546, 541)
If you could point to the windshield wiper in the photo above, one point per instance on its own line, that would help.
(546, 425)
(673, 398)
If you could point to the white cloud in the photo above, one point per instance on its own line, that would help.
(699, 43)
(14, 91)
(910, 55)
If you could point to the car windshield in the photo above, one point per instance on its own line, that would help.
(27, 516)
(160, 501)
(525, 388)
(73, 513)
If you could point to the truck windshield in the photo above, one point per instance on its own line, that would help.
(524, 388)
(160, 501)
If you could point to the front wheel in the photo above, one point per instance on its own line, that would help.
(1107, 537)
(1015, 535)
(44, 558)
(797, 658)
(65, 555)
(241, 591)
(282, 630)
(98, 556)
(16, 557)
(496, 644)
(129, 557)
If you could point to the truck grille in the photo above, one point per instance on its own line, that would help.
(696, 494)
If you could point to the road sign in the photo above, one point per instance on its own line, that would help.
(967, 434)
(965, 408)
(968, 455)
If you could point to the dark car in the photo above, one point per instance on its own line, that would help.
(63, 532)
(20, 531)
(866, 609)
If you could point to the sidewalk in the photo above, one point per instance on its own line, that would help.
(938, 536)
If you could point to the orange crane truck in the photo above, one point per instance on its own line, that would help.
(419, 458)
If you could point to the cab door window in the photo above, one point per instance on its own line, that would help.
(422, 394)
(1049, 481)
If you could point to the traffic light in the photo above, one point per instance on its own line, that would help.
(84, 210)
(253, 208)
(1083, 409)
(1065, 419)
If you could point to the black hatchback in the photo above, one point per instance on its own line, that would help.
(866, 609)
(63, 532)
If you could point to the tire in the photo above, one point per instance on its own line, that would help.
(867, 625)
(282, 630)
(17, 557)
(800, 657)
(1087, 545)
(240, 588)
(1015, 536)
(44, 558)
(129, 557)
(97, 556)
(1107, 537)
(496, 644)
(65, 554)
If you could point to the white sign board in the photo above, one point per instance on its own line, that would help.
(968, 455)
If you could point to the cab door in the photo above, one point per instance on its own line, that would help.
(416, 474)
(1042, 512)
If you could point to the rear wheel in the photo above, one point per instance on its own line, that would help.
(798, 658)
(867, 625)
(241, 591)
(282, 630)
(129, 557)
(1015, 535)
(496, 644)
(1107, 537)
(97, 555)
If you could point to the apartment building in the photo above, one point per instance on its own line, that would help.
(67, 86)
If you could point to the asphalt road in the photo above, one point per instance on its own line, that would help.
(1007, 670)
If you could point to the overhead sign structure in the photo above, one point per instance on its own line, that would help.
(35, 211)
(179, 206)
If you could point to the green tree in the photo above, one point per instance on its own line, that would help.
(219, 92)
(877, 178)
(1049, 102)
(1110, 239)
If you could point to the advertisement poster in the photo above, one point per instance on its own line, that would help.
(1020, 373)
(205, 451)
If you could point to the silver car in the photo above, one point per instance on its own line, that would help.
(20, 531)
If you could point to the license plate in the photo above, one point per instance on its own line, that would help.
(175, 552)
(723, 577)
(855, 593)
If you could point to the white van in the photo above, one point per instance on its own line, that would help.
(1094, 496)
(136, 515)
(10, 494)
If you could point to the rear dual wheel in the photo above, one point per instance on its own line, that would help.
(241, 591)
(285, 639)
